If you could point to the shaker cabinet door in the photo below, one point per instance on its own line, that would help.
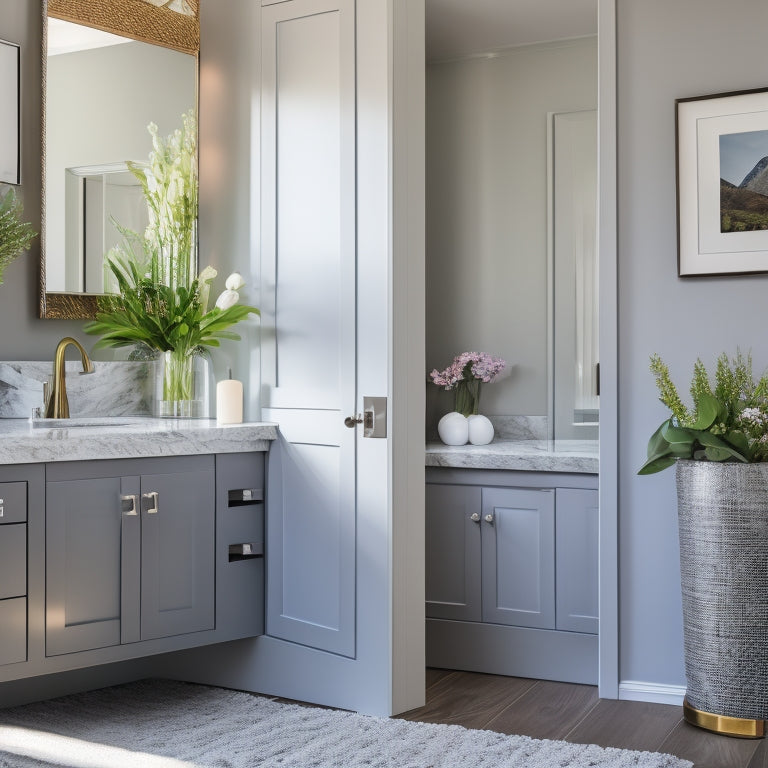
(519, 557)
(577, 560)
(177, 553)
(453, 552)
(83, 560)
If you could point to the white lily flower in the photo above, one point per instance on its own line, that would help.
(235, 282)
(207, 274)
(227, 299)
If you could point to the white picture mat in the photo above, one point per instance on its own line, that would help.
(9, 113)
(704, 249)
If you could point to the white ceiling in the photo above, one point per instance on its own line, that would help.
(64, 37)
(457, 28)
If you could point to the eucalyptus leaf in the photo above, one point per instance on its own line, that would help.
(717, 454)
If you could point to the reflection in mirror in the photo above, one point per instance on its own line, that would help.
(573, 271)
(101, 92)
(101, 122)
(96, 200)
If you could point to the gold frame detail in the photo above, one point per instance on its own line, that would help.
(739, 727)
(139, 20)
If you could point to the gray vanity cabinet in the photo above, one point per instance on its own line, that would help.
(129, 551)
(511, 573)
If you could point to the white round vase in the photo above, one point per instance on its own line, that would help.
(480, 430)
(453, 428)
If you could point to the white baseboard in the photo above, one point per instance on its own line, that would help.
(636, 690)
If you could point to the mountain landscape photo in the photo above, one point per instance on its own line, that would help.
(744, 208)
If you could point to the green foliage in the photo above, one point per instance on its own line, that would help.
(727, 423)
(15, 235)
(150, 314)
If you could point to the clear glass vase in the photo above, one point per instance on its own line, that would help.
(182, 388)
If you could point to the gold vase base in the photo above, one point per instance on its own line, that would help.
(739, 727)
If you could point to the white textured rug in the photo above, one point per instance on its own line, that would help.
(163, 724)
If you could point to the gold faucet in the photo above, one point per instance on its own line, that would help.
(58, 404)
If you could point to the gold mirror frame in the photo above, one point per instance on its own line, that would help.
(141, 20)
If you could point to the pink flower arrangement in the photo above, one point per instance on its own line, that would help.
(466, 366)
(465, 374)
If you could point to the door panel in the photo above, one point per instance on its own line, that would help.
(519, 557)
(453, 552)
(308, 200)
(83, 533)
(177, 565)
(308, 318)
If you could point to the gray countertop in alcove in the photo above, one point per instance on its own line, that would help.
(527, 455)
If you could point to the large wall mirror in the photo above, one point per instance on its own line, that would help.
(109, 70)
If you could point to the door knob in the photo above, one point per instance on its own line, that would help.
(475, 518)
(489, 518)
(353, 421)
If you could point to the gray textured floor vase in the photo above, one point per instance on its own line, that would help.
(163, 724)
(723, 524)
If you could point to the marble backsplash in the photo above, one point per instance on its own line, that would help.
(510, 427)
(113, 389)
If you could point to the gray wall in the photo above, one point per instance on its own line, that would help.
(669, 50)
(487, 210)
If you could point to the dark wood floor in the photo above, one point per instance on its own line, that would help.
(546, 710)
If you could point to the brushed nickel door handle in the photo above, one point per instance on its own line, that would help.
(128, 504)
(153, 497)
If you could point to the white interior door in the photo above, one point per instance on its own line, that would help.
(309, 317)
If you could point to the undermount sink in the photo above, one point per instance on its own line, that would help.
(103, 421)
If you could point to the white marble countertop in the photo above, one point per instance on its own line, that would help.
(530, 455)
(116, 437)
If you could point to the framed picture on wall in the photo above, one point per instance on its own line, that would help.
(9, 112)
(722, 184)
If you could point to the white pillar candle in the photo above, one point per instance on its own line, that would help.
(229, 402)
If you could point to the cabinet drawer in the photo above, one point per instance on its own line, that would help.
(13, 502)
(13, 630)
(13, 560)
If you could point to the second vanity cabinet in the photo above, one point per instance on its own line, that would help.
(512, 573)
(129, 551)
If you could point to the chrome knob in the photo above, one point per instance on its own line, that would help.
(475, 518)
(353, 421)
(489, 518)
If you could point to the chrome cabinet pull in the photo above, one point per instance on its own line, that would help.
(128, 504)
(153, 497)
(475, 518)
(489, 518)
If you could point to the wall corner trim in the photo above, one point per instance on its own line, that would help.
(637, 690)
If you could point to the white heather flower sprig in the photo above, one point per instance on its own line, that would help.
(466, 366)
